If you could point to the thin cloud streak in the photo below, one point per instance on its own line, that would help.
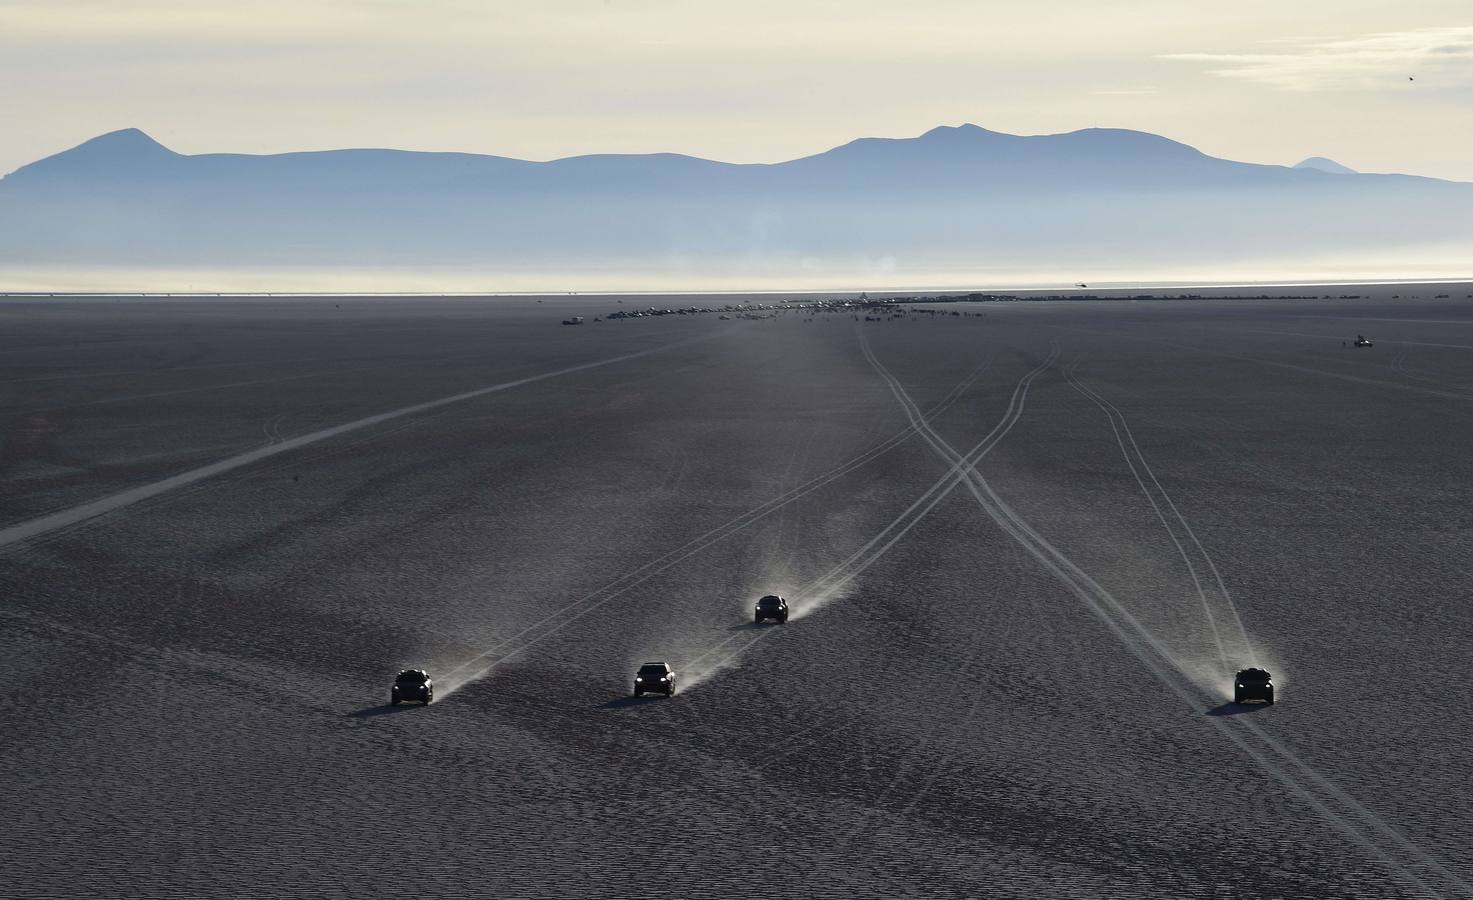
(1440, 57)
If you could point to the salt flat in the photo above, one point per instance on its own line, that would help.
(1027, 547)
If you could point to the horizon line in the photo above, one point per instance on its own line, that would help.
(883, 292)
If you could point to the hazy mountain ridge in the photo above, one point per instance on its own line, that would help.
(966, 147)
(1325, 164)
(952, 196)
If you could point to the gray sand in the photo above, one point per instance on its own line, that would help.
(1004, 677)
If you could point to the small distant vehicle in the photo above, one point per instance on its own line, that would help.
(1362, 341)
(573, 320)
(1253, 685)
(654, 678)
(412, 684)
(771, 607)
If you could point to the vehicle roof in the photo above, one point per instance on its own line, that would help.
(654, 665)
(770, 597)
(412, 672)
(1251, 670)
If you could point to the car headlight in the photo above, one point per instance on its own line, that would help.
(663, 678)
(637, 678)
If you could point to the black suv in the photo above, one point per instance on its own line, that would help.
(1253, 684)
(1363, 341)
(771, 607)
(412, 684)
(655, 678)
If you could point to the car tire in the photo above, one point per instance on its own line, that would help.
(638, 692)
(394, 701)
(757, 620)
(1237, 698)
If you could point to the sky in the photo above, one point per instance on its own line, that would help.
(1374, 85)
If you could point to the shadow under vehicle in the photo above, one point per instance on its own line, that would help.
(654, 678)
(412, 684)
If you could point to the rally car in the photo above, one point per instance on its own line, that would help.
(654, 678)
(1253, 686)
(771, 607)
(412, 684)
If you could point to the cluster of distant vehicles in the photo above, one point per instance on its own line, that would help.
(1251, 685)
(745, 309)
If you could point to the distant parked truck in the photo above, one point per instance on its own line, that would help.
(573, 320)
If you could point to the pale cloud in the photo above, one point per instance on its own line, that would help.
(1438, 57)
(98, 21)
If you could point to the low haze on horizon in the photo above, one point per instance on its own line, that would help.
(1374, 87)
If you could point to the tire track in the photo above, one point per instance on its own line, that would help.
(279, 379)
(928, 774)
(66, 518)
(1410, 864)
(961, 697)
(1136, 461)
(1399, 365)
(825, 588)
(477, 666)
(1291, 367)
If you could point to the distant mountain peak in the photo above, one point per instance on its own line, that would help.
(966, 129)
(969, 145)
(124, 140)
(1324, 164)
(127, 147)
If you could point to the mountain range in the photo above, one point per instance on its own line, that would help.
(953, 199)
